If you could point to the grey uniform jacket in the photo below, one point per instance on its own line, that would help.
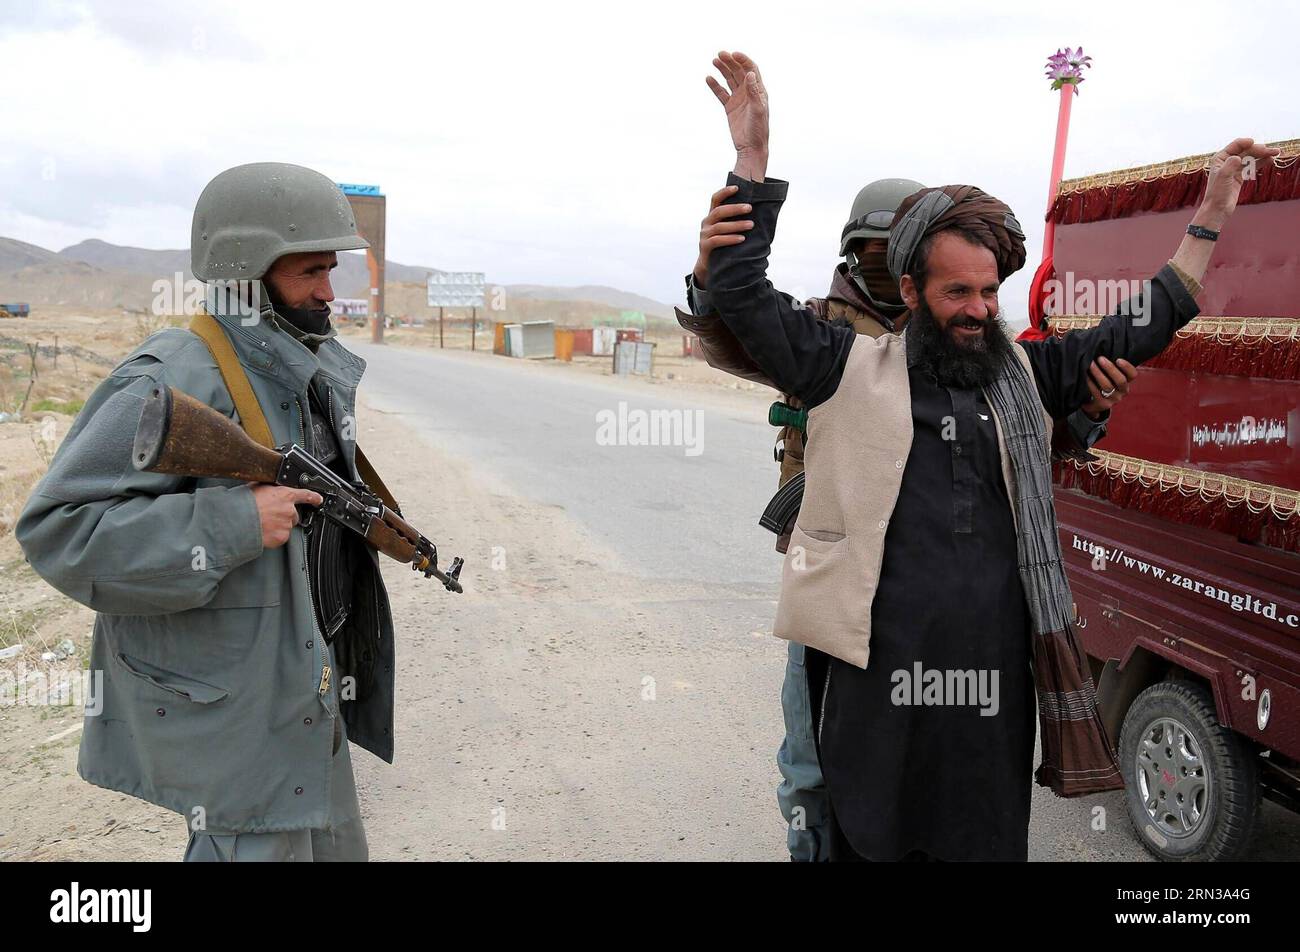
(216, 702)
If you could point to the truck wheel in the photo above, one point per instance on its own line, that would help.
(1191, 783)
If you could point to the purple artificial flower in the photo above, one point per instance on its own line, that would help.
(1077, 58)
(1065, 68)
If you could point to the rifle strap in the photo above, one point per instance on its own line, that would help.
(371, 479)
(251, 417)
(209, 330)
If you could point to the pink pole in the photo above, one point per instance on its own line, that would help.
(1058, 163)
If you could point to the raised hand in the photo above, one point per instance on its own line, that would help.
(1227, 175)
(745, 102)
(717, 230)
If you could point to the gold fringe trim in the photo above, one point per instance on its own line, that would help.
(1211, 487)
(1219, 328)
(1150, 173)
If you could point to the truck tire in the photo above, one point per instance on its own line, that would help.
(1192, 785)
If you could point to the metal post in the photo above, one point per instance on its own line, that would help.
(473, 329)
(1058, 164)
(376, 316)
(440, 344)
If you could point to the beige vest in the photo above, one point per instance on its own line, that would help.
(862, 436)
(790, 438)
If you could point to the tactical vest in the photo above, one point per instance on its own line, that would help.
(863, 435)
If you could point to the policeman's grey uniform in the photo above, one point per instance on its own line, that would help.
(222, 698)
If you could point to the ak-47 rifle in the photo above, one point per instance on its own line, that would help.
(783, 506)
(180, 436)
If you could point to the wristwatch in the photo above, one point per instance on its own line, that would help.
(1196, 231)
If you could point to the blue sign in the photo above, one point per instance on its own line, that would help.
(360, 189)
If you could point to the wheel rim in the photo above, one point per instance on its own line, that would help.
(1172, 778)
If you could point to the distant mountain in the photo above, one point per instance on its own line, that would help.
(351, 280)
(156, 264)
(42, 278)
(98, 273)
(597, 293)
(352, 276)
(16, 255)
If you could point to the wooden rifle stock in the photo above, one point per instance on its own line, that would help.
(181, 436)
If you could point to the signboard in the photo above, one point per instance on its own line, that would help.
(1242, 427)
(350, 307)
(360, 189)
(456, 288)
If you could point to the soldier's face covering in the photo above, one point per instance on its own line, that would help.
(957, 358)
(875, 273)
(298, 286)
(309, 320)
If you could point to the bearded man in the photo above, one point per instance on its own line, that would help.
(926, 543)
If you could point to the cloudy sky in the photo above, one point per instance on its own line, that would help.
(569, 143)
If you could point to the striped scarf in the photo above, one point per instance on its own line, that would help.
(1077, 756)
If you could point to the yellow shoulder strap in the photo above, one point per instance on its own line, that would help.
(209, 330)
(371, 479)
(250, 412)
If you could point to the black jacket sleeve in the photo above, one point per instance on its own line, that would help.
(1142, 327)
(801, 355)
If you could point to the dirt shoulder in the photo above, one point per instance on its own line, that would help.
(545, 713)
(542, 714)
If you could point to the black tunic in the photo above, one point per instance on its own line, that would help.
(944, 779)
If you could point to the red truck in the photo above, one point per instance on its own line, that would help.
(1182, 532)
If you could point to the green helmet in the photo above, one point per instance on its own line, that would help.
(872, 214)
(874, 208)
(252, 214)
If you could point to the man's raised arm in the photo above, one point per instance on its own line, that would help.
(801, 355)
(1146, 323)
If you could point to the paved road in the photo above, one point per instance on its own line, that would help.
(674, 518)
(537, 427)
